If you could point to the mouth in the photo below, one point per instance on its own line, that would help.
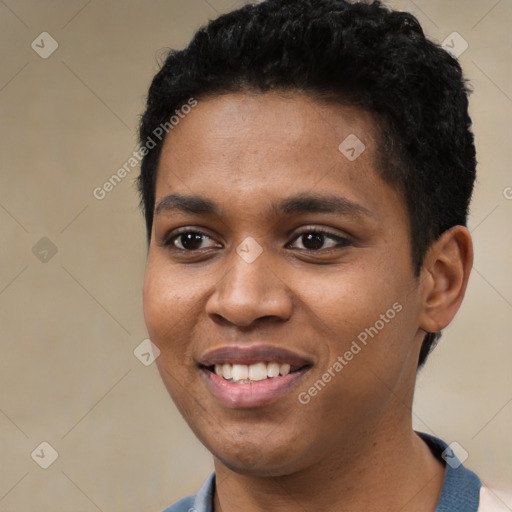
(252, 376)
(249, 374)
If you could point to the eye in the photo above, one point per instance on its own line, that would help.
(187, 240)
(310, 238)
(313, 239)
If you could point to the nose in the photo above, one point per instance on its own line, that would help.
(249, 293)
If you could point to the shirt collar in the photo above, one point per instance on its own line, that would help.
(203, 500)
(461, 487)
(460, 491)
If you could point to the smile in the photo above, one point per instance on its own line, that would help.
(246, 374)
(251, 376)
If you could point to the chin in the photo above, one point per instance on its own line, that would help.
(258, 457)
(256, 464)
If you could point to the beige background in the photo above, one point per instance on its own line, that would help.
(69, 326)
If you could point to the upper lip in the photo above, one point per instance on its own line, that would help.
(241, 354)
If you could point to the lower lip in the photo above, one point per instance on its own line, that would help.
(254, 394)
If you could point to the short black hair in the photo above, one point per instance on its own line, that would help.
(355, 53)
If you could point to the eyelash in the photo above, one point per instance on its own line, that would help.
(342, 241)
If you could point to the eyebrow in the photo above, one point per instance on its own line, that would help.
(297, 204)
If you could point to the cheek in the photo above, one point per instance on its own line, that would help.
(164, 304)
(164, 312)
(367, 318)
(350, 299)
(157, 313)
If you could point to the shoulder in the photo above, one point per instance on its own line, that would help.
(200, 502)
(184, 505)
(491, 502)
(461, 487)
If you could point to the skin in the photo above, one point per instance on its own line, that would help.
(352, 446)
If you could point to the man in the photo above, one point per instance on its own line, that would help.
(306, 181)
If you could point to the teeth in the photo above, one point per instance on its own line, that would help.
(258, 371)
(273, 369)
(240, 372)
(244, 373)
(226, 371)
(284, 369)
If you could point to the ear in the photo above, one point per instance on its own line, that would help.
(444, 276)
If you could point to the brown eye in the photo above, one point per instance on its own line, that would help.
(315, 240)
(187, 241)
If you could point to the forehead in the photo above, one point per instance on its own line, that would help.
(251, 146)
(279, 121)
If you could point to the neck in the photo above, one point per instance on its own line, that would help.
(387, 469)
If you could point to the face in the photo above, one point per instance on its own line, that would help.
(279, 286)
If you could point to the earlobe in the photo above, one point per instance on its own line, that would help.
(445, 277)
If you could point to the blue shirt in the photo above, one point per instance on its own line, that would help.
(460, 491)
